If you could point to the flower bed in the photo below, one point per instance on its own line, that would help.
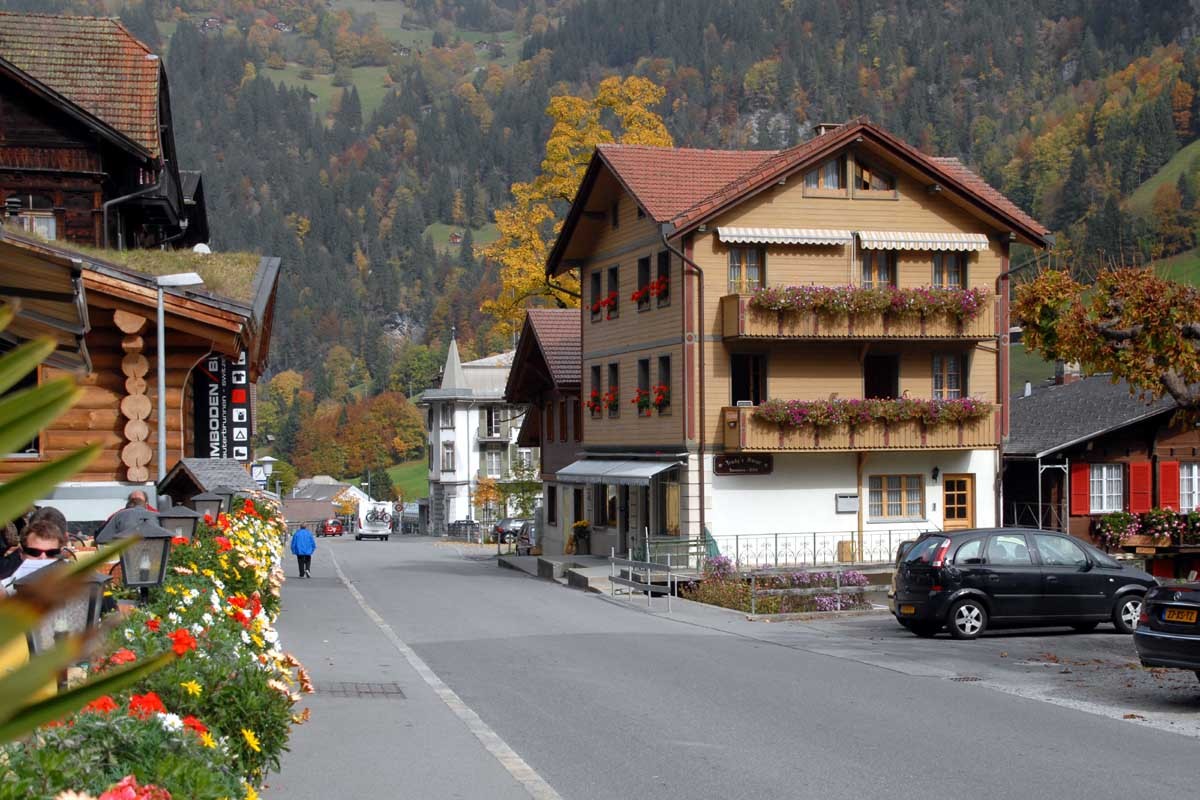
(924, 301)
(1158, 527)
(856, 413)
(212, 722)
(794, 592)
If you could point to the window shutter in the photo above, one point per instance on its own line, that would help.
(1139, 487)
(1081, 500)
(1168, 485)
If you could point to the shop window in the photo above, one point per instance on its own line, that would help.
(949, 376)
(950, 270)
(604, 505)
(895, 497)
(878, 268)
(747, 378)
(881, 377)
(667, 495)
(745, 269)
(1107, 488)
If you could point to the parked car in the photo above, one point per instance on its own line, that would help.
(968, 581)
(509, 526)
(332, 527)
(464, 529)
(1168, 631)
(901, 551)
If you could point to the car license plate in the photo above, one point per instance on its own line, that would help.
(908, 609)
(1180, 615)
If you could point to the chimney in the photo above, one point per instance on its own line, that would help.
(823, 128)
(1028, 389)
(1066, 372)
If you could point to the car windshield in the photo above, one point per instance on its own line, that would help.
(1101, 558)
(922, 552)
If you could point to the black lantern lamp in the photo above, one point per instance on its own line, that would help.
(208, 504)
(122, 522)
(77, 615)
(181, 521)
(226, 494)
(144, 563)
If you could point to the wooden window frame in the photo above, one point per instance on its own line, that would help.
(643, 384)
(614, 290)
(866, 193)
(939, 271)
(880, 484)
(36, 449)
(550, 420)
(614, 371)
(1104, 467)
(742, 284)
(643, 283)
(1189, 471)
(939, 363)
(869, 263)
(763, 385)
(664, 379)
(820, 189)
(597, 387)
(663, 270)
(578, 419)
(600, 515)
(597, 287)
(446, 420)
(488, 454)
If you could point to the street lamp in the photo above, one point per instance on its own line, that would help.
(144, 563)
(208, 504)
(177, 280)
(226, 494)
(181, 521)
(78, 614)
(125, 520)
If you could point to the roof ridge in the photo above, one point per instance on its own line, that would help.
(674, 149)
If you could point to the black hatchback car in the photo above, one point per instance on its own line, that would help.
(1168, 631)
(969, 580)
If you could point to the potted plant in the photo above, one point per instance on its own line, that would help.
(594, 403)
(661, 397)
(641, 399)
(612, 400)
(581, 537)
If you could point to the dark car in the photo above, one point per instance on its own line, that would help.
(509, 526)
(1168, 631)
(331, 527)
(969, 580)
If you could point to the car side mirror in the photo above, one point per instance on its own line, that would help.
(1087, 566)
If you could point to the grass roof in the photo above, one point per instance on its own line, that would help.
(227, 274)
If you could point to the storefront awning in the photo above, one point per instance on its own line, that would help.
(912, 240)
(784, 235)
(606, 470)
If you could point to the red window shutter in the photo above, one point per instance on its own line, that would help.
(1140, 498)
(1081, 490)
(1168, 485)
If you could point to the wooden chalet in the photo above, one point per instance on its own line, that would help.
(545, 376)
(103, 317)
(87, 143)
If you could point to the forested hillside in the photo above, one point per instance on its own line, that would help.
(335, 133)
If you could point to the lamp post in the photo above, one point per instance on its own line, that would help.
(181, 521)
(179, 279)
(144, 564)
(226, 494)
(79, 614)
(207, 504)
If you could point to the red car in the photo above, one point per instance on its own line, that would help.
(331, 527)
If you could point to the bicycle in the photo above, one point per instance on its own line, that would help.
(378, 515)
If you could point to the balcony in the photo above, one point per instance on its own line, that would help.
(491, 435)
(746, 433)
(741, 320)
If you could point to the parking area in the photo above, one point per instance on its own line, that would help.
(1096, 672)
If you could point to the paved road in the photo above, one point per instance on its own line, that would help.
(515, 687)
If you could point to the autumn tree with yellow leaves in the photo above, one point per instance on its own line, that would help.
(528, 225)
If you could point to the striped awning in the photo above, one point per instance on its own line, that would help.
(911, 240)
(784, 235)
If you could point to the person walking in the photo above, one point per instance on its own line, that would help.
(303, 546)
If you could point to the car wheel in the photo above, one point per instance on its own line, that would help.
(1085, 627)
(968, 618)
(358, 538)
(926, 630)
(385, 538)
(1125, 613)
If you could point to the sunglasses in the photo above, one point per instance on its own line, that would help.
(35, 552)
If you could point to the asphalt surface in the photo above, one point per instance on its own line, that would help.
(597, 698)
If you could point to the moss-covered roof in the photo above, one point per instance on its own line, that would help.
(227, 274)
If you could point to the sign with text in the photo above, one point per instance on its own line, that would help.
(744, 464)
(221, 399)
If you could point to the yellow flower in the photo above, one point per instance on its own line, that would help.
(207, 740)
(170, 590)
(251, 740)
(251, 794)
(191, 687)
(257, 640)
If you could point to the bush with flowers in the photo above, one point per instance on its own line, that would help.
(855, 413)
(777, 591)
(840, 301)
(211, 723)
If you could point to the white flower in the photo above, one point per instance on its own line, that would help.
(245, 636)
(197, 628)
(174, 618)
(215, 600)
(270, 635)
(207, 618)
(187, 599)
(128, 635)
(170, 722)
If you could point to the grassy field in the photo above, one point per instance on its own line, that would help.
(1026, 366)
(411, 478)
(1142, 197)
(440, 233)
(369, 80)
(1184, 267)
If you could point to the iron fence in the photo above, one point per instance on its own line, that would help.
(1047, 516)
(767, 550)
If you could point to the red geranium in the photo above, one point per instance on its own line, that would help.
(182, 642)
(143, 705)
(123, 656)
(223, 544)
(153, 624)
(128, 789)
(194, 724)
(208, 520)
(179, 540)
(101, 705)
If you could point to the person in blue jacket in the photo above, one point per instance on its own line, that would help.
(303, 546)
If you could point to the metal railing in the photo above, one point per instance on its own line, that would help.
(764, 550)
(642, 577)
(835, 592)
(1047, 516)
(678, 550)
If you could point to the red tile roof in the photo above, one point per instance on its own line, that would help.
(558, 336)
(93, 62)
(969, 179)
(670, 180)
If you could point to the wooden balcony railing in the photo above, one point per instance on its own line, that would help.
(743, 432)
(739, 320)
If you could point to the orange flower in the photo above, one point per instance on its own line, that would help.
(153, 624)
(101, 705)
(123, 656)
(182, 642)
(143, 705)
(177, 540)
(194, 724)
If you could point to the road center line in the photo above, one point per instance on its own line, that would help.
(526, 775)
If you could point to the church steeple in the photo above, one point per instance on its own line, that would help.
(453, 376)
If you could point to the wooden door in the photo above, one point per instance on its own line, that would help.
(958, 501)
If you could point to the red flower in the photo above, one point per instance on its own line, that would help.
(123, 656)
(241, 601)
(179, 540)
(143, 705)
(223, 544)
(128, 789)
(208, 520)
(153, 624)
(101, 705)
(194, 724)
(182, 642)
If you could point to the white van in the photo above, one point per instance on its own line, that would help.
(374, 521)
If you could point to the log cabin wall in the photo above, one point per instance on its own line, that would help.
(98, 416)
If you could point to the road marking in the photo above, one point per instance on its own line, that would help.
(526, 775)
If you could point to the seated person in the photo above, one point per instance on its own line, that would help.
(42, 543)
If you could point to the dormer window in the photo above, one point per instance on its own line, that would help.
(868, 178)
(829, 176)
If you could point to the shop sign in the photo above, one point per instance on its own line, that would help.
(221, 401)
(744, 464)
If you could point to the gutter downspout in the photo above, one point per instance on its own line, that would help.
(156, 186)
(663, 232)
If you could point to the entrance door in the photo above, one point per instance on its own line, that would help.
(958, 501)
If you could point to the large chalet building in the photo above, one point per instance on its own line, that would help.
(87, 143)
(788, 347)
